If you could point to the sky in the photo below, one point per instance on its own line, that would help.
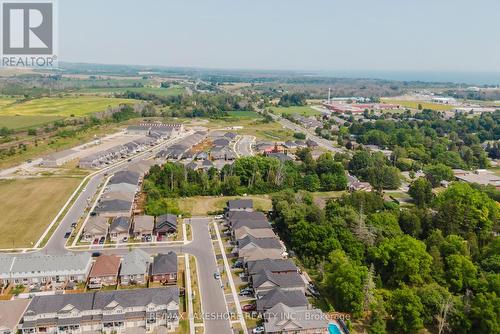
(307, 35)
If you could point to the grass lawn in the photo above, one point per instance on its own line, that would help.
(29, 205)
(62, 106)
(201, 205)
(170, 91)
(414, 104)
(16, 122)
(303, 110)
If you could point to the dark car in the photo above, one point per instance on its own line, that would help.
(66, 236)
(73, 225)
(93, 213)
(237, 264)
(101, 241)
(129, 160)
(96, 254)
(245, 292)
(249, 307)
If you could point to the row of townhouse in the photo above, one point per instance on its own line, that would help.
(177, 150)
(151, 310)
(57, 272)
(140, 227)
(279, 288)
(137, 268)
(152, 134)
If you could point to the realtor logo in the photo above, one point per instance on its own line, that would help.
(28, 30)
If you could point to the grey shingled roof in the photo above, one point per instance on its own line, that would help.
(135, 262)
(45, 263)
(266, 243)
(120, 224)
(283, 318)
(5, 264)
(240, 204)
(113, 206)
(276, 265)
(292, 298)
(282, 280)
(166, 221)
(125, 177)
(101, 299)
(164, 263)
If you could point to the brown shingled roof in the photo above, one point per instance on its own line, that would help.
(105, 265)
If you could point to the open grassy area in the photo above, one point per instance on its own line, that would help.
(202, 205)
(252, 125)
(170, 91)
(18, 122)
(414, 104)
(29, 205)
(61, 106)
(304, 111)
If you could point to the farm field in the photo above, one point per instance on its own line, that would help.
(29, 205)
(304, 111)
(171, 91)
(414, 104)
(64, 106)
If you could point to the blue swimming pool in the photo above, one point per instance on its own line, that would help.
(333, 329)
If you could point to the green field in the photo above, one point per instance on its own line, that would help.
(64, 106)
(414, 104)
(304, 111)
(26, 122)
(29, 205)
(171, 91)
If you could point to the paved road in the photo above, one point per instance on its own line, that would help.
(244, 145)
(56, 243)
(212, 295)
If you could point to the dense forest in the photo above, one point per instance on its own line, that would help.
(401, 270)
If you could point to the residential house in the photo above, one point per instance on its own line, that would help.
(125, 176)
(230, 135)
(147, 310)
(282, 157)
(5, 265)
(165, 224)
(135, 267)
(249, 242)
(119, 229)
(11, 313)
(245, 231)
(282, 319)
(274, 266)
(54, 270)
(240, 205)
(104, 272)
(291, 298)
(114, 208)
(221, 142)
(207, 164)
(95, 229)
(164, 268)
(254, 219)
(256, 253)
(266, 280)
(143, 227)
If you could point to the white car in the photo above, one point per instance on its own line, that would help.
(218, 216)
(258, 330)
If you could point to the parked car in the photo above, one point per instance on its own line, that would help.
(249, 307)
(216, 275)
(218, 216)
(96, 241)
(101, 241)
(73, 225)
(96, 254)
(246, 292)
(312, 290)
(67, 235)
(258, 330)
(237, 264)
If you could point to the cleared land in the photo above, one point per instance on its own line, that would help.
(29, 205)
(26, 122)
(202, 205)
(414, 104)
(304, 111)
(64, 106)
